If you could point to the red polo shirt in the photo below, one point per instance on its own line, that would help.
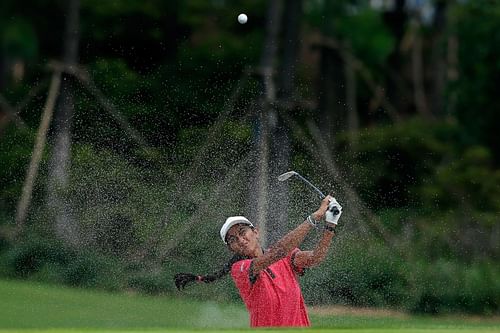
(274, 297)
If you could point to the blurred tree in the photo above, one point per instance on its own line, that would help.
(19, 45)
(277, 76)
(352, 66)
(59, 165)
(331, 90)
(398, 92)
(259, 206)
(438, 58)
(280, 146)
(473, 95)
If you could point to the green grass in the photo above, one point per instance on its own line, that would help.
(36, 308)
(332, 330)
(29, 305)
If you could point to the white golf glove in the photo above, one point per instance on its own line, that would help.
(334, 211)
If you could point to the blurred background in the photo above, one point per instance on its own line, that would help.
(129, 131)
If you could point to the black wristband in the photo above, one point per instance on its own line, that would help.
(330, 228)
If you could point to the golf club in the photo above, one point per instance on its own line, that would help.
(289, 174)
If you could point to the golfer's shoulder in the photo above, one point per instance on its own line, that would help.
(241, 267)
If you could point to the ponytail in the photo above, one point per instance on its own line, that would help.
(182, 279)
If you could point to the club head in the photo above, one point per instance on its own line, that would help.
(286, 175)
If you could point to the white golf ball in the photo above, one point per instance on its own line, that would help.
(242, 18)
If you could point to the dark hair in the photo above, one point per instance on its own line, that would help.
(182, 279)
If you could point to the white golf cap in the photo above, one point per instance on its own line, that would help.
(230, 221)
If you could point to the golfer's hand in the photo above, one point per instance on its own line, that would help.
(334, 211)
(320, 213)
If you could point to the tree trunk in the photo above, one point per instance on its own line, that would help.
(59, 165)
(438, 59)
(351, 98)
(270, 49)
(292, 15)
(3, 72)
(280, 142)
(36, 156)
(396, 21)
(4, 116)
(258, 199)
(332, 102)
(418, 70)
(7, 114)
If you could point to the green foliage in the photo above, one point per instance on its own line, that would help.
(116, 77)
(93, 270)
(363, 273)
(392, 161)
(450, 286)
(18, 39)
(148, 8)
(470, 180)
(355, 28)
(474, 93)
(34, 255)
(355, 25)
(118, 204)
(358, 275)
(15, 152)
(422, 165)
(199, 13)
(422, 178)
(148, 283)
(49, 260)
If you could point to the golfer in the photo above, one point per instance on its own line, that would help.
(267, 280)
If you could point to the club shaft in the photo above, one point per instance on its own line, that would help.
(322, 196)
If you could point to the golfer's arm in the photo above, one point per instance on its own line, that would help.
(282, 248)
(316, 256)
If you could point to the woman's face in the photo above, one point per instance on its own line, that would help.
(244, 240)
